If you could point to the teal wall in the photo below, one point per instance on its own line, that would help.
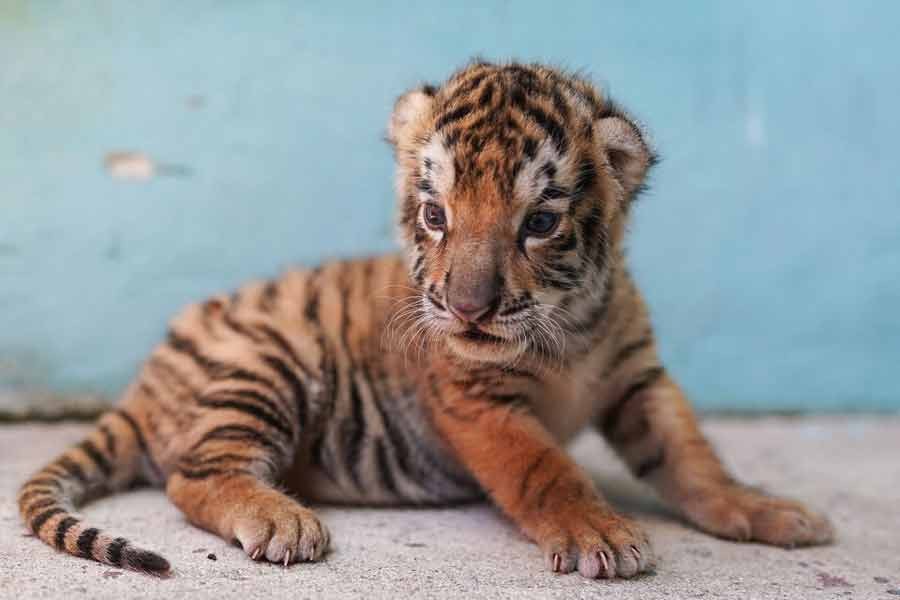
(769, 246)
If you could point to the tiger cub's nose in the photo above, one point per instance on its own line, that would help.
(474, 303)
(469, 312)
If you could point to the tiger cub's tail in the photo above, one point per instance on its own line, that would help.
(109, 459)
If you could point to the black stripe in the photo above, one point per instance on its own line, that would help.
(572, 274)
(466, 86)
(240, 433)
(279, 340)
(141, 442)
(145, 561)
(168, 374)
(253, 410)
(526, 476)
(511, 400)
(195, 474)
(186, 346)
(353, 432)
(39, 520)
(298, 390)
(397, 441)
(529, 147)
(268, 297)
(86, 542)
(25, 497)
(559, 276)
(385, 472)
(320, 452)
(311, 310)
(566, 243)
(72, 469)
(515, 372)
(228, 372)
(424, 185)
(96, 457)
(205, 461)
(559, 102)
(626, 352)
(41, 504)
(148, 390)
(217, 369)
(272, 405)
(553, 192)
(62, 528)
(417, 268)
(525, 76)
(456, 114)
(549, 125)
(114, 551)
(589, 227)
(109, 439)
(548, 170)
(238, 327)
(651, 464)
(644, 380)
(587, 176)
(48, 481)
(484, 99)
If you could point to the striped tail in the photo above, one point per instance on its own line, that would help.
(109, 459)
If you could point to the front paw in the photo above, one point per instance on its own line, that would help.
(597, 542)
(748, 515)
(275, 528)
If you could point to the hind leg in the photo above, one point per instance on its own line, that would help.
(225, 483)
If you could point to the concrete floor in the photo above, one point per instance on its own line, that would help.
(849, 467)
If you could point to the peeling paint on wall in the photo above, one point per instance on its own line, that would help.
(137, 166)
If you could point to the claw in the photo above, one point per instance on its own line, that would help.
(255, 554)
(637, 553)
(605, 562)
(557, 560)
(287, 558)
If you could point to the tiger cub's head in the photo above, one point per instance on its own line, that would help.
(514, 183)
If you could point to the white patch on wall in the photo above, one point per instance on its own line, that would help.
(137, 166)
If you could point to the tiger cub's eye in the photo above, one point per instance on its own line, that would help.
(434, 216)
(541, 223)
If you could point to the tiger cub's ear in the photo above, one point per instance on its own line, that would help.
(628, 154)
(408, 109)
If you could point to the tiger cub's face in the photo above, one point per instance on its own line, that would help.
(514, 181)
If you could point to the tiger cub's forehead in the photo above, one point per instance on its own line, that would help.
(527, 139)
(545, 176)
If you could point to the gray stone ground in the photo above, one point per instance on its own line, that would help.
(847, 466)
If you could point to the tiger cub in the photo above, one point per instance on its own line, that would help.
(456, 370)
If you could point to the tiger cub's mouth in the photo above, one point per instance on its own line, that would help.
(474, 334)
